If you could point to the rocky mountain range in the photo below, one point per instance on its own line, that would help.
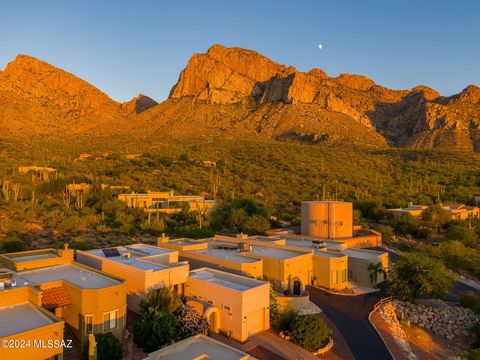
(237, 93)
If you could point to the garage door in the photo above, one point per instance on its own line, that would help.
(255, 322)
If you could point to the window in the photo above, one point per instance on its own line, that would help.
(210, 302)
(110, 320)
(88, 324)
(335, 277)
(226, 307)
(344, 275)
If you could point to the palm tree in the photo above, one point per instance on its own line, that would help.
(374, 270)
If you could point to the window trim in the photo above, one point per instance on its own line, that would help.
(89, 316)
(115, 318)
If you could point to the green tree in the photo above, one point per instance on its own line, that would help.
(156, 324)
(387, 233)
(405, 224)
(161, 299)
(310, 331)
(256, 224)
(420, 276)
(154, 328)
(374, 270)
(462, 232)
(436, 216)
(455, 255)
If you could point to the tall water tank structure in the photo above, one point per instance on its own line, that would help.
(327, 219)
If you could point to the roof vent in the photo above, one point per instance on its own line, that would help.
(127, 255)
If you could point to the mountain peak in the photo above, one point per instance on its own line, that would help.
(139, 104)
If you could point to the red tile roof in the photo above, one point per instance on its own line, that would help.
(55, 297)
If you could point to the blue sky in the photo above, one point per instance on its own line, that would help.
(128, 47)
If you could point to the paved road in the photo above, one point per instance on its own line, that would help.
(350, 316)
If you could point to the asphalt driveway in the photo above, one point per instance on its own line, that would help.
(350, 316)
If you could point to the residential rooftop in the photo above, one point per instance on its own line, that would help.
(25, 256)
(80, 276)
(32, 257)
(362, 253)
(141, 256)
(330, 254)
(231, 281)
(306, 242)
(277, 253)
(199, 347)
(22, 317)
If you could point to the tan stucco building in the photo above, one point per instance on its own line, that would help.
(233, 304)
(166, 201)
(199, 347)
(143, 267)
(47, 284)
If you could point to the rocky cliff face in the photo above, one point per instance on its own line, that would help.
(419, 117)
(240, 93)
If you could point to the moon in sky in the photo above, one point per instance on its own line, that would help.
(320, 46)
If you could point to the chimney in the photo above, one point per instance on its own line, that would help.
(162, 239)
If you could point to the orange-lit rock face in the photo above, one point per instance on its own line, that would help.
(239, 93)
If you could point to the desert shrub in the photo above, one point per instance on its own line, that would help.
(13, 244)
(472, 354)
(310, 331)
(108, 347)
(470, 300)
(80, 244)
(286, 319)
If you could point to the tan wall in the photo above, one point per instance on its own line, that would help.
(64, 257)
(254, 269)
(52, 332)
(323, 271)
(358, 269)
(363, 241)
(13, 296)
(281, 270)
(247, 306)
(327, 219)
(92, 302)
(137, 281)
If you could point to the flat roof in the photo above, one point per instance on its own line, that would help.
(32, 257)
(231, 255)
(362, 254)
(141, 256)
(21, 317)
(77, 275)
(273, 252)
(198, 347)
(188, 241)
(231, 281)
(308, 243)
(329, 254)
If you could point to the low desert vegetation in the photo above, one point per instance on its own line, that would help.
(309, 331)
(164, 319)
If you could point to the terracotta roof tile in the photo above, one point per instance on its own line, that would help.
(55, 297)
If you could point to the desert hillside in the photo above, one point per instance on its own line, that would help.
(238, 93)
